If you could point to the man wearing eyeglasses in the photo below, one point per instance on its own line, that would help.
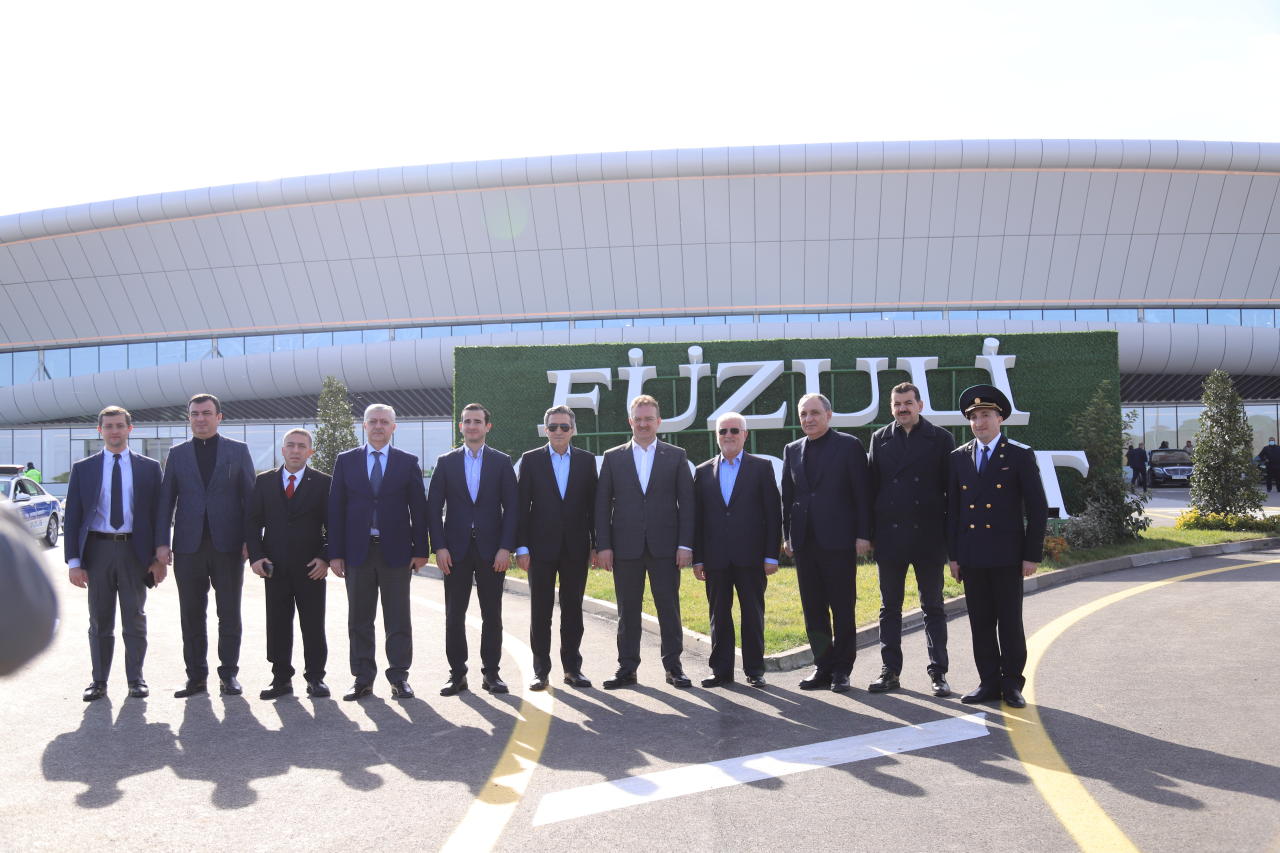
(737, 534)
(556, 531)
(644, 526)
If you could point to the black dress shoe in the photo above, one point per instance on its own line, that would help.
(539, 683)
(401, 690)
(357, 691)
(576, 679)
(887, 681)
(277, 689)
(1013, 698)
(839, 684)
(756, 680)
(139, 689)
(940, 686)
(96, 690)
(620, 680)
(229, 686)
(980, 694)
(677, 678)
(193, 688)
(318, 689)
(494, 684)
(717, 681)
(816, 680)
(454, 686)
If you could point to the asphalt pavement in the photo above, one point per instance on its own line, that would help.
(1161, 703)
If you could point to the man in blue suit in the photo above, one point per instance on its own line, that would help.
(472, 507)
(203, 497)
(109, 547)
(377, 532)
(826, 523)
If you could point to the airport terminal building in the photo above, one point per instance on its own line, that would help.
(255, 292)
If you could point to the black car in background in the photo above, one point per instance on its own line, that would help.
(1170, 468)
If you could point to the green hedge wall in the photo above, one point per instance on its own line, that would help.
(1053, 373)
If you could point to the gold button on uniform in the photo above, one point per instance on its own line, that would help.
(988, 506)
(972, 506)
(971, 526)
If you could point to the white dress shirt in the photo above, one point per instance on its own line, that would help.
(644, 457)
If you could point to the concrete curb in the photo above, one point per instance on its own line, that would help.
(913, 620)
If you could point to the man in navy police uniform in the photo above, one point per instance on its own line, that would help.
(996, 520)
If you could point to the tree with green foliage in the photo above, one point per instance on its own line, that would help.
(335, 425)
(1112, 513)
(1223, 478)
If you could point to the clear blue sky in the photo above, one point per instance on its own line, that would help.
(106, 100)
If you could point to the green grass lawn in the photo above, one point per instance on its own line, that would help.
(784, 622)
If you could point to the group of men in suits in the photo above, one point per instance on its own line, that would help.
(915, 498)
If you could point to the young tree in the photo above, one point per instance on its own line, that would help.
(1223, 477)
(1111, 512)
(335, 424)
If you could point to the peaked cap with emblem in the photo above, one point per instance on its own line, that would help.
(985, 397)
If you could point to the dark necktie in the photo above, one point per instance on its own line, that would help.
(288, 490)
(375, 481)
(117, 495)
(982, 463)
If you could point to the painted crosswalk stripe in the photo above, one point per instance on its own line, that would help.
(693, 779)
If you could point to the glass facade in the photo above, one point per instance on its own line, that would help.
(1179, 424)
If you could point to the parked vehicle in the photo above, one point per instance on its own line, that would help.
(41, 512)
(1170, 468)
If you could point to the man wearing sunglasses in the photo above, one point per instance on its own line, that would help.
(737, 534)
(556, 534)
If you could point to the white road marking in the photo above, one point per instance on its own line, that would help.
(680, 781)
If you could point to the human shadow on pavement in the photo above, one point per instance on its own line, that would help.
(230, 752)
(102, 753)
(617, 736)
(1149, 768)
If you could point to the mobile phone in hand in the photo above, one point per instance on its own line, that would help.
(267, 568)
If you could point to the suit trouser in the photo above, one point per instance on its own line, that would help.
(1273, 476)
(994, 599)
(365, 583)
(194, 574)
(827, 581)
(750, 582)
(113, 573)
(542, 593)
(287, 588)
(893, 582)
(1139, 475)
(664, 583)
(465, 573)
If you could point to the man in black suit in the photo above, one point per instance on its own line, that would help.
(737, 534)
(995, 485)
(110, 546)
(826, 522)
(377, 531)
(206, 487)
(556, 533)
(472, 508)
(285, 534)
(909, 462)
(644, 526)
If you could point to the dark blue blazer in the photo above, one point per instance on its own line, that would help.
(83, 492)
(996, 518)
(837, 501)
(747, 531)
(401, 503)
(224, 499)
(493, 514)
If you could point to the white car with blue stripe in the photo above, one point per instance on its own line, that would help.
(41, 512)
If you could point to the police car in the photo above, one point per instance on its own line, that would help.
(41, 512)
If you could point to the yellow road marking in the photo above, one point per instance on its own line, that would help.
(493, 807)
(1090, 826)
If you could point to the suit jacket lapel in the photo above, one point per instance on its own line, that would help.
(797, 471)
(630, 465)
(95, 485)
(217, 460)
(568, 483)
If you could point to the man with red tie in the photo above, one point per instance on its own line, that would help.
(285, 534)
